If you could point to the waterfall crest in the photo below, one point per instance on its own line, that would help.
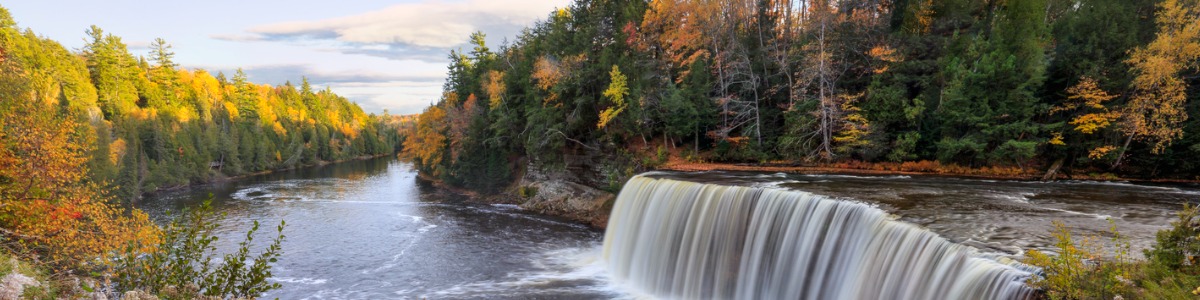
(677, 239)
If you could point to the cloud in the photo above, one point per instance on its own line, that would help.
(374, 92)
(279, 74)
(237, 37)
(408, 31)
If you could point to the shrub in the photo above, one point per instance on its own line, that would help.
(1173, 269)
(1080, 270)
(1083, 271)
(181, 267)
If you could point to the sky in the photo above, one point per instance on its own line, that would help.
(380, 54)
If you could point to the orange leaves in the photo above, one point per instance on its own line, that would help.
(678, 28)
(425, 145)
(1101, 152)
(494, 86)
(547, 73)
(886, 54)
(39, 154)
(46, 205)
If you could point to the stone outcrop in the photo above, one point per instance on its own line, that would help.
(559, 193)
(14, 284)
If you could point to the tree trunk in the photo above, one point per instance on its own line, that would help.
(1121, 155)
(1053, 171)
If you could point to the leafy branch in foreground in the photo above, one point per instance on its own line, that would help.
(1083, 270)
(182, 267)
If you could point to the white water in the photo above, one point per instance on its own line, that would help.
(676, 239)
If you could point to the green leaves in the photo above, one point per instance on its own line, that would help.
(182, 267)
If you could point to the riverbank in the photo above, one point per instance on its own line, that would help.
(919, 168)
(220, 178)
(561, 194)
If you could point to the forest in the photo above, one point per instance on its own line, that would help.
(148, 124)
(1086, 86)
(87, 132)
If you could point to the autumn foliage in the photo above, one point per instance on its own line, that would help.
(48, 207)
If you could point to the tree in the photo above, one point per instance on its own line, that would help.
(1087, 104)
(48, 207)
(161, 54)
(427, 144)
(1155, 112)
(616, 92)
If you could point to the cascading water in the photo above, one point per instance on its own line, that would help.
(677, 239)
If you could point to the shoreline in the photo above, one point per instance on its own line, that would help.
(225, 179)
(977, 173)
(598, 221)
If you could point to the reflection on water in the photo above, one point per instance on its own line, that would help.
(370, 230)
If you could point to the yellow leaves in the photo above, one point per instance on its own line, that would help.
(886, 54)
(923, 12)
(547, 73)
(349, 131)
(855, 127)
(278, 128)
(608, 115)
(1087, 99)
(144, 114)
(616, 92)
(1101, 152)
(116, 150)
(1087, 93)
(1155, 112)
(1091, 123)
(184, 114)
(494, 86)
(1057, 139)
(48, 206)
(232, 109)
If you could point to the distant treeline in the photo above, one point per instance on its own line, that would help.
(1096, 86)
(150, 124)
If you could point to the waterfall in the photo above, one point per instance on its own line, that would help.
(685, 240)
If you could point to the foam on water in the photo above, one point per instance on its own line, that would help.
(582, 268)
(677, 239)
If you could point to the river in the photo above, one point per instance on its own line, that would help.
(371, 230)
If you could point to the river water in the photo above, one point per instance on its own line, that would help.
(371, 230)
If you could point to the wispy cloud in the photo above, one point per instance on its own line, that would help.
(375, 92)
(279, 74)
(408, 31)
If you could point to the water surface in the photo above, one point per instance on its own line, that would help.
(371, 229)
(996, 215)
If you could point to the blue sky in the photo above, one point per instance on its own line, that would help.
(381, 54)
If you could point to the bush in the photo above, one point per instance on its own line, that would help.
(1083, 271)
(1080, 270)
(1174, 260)
(182, 266)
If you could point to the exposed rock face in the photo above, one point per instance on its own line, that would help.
(14, 284)
(559, 194)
